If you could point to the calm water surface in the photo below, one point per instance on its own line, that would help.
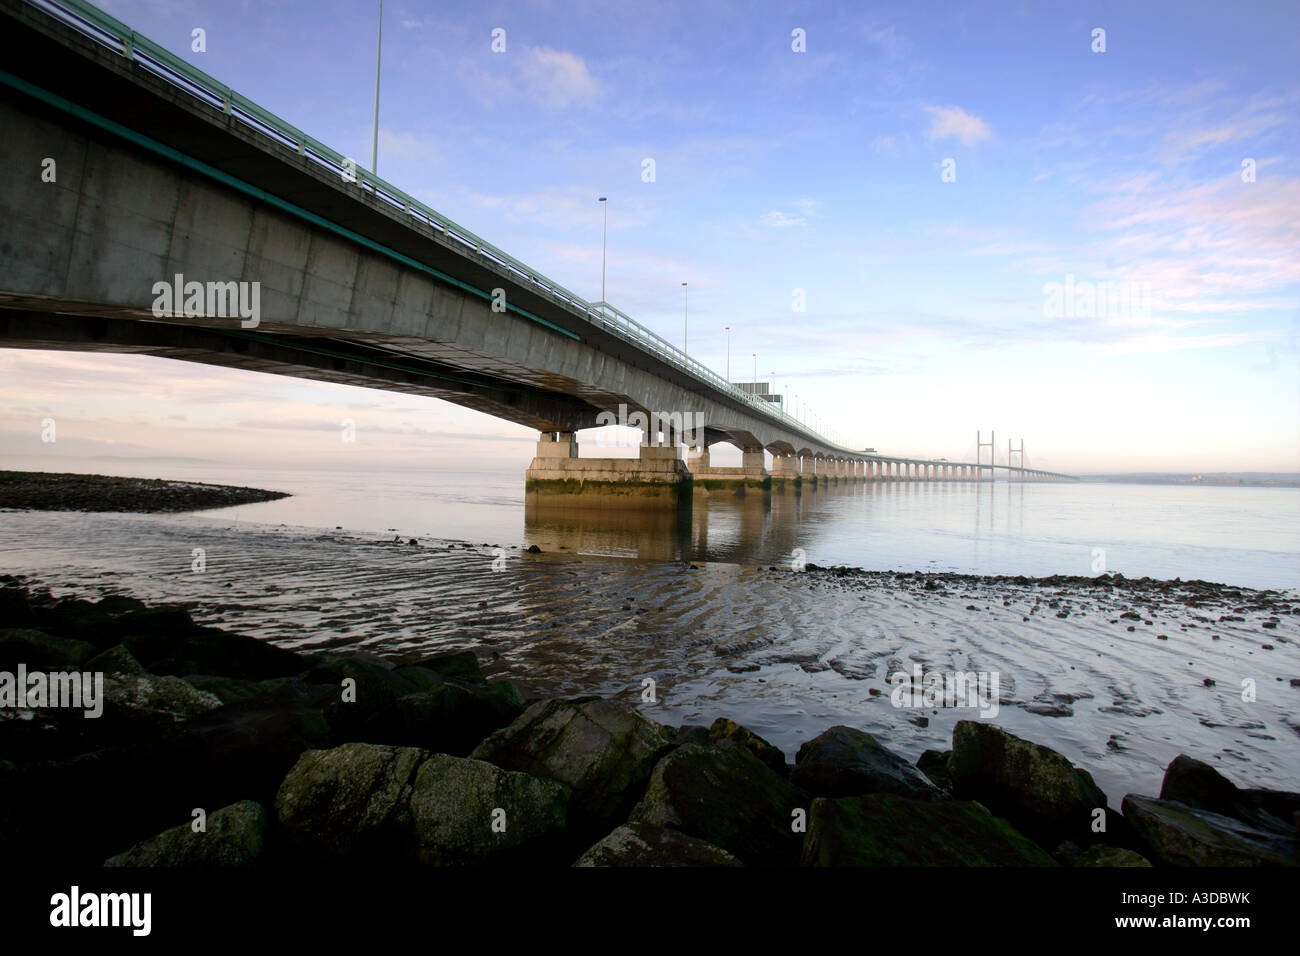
(1242, 536)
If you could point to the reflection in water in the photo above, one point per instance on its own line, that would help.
(748, 527)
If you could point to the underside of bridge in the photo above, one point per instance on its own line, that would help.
(120, 183)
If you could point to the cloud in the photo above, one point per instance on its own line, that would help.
(558, 79)
(953, 122)
(779, 220)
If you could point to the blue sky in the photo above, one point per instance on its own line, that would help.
(821, 171)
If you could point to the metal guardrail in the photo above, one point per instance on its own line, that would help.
(116, 35)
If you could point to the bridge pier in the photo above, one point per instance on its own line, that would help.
(558, 476)
(752, 473)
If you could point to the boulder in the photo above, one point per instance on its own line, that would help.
(1197, 784)
(118, 660)
(693, 734)
(724, 729)
(42, 652)
(234, 837)
(351, 802)
(158, 696)
(1179, 835)
(1101, 855)
(844, 762)
(166, 641)
(603, 751)
(470, 812)
(934, 764)
(460, 665)
(726, 796)
(883, 829)
(454, 718)
(1034, 787)
(640, 844)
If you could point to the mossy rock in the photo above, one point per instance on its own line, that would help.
(350, 802)
(468, 812)
(1033, 786)
(40, 651)
(233, 836)
(603, 751)
(1179, 835)
(882, 829)
(845, 762)
(207, 650)
(726, 796)
(725, 729)
(640, 844)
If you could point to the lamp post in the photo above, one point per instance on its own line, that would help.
(604, 234)
(756, 370)
(727, 329)
(686, 315)
(379, 49)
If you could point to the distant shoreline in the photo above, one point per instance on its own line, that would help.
(45, 491)
(1203, 479)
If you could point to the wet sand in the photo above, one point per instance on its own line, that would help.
(787, 654)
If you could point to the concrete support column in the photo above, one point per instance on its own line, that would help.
(557, 445)
(752, 462)
(785, 466)
(698, 458)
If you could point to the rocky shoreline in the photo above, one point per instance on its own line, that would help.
(46, 491)
(289, 759)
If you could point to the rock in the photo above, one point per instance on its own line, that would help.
(248, 747)
(1197, 784)
(844, 762)
(15, 608)
(1034, 787)
(234, 838)
(117, 660)
(233, 690)
(724, 729)
(693, 734)
(640, 844)
(41, 651)
(351, 802)
(469, 812)
(934, 764)
(883, 829)
(726, 796)
(453, 718)
(1100, 855)
(1179, 835)
(166, 641)
(370, 711)
(155, 695)
(603, 751)
(461, 665)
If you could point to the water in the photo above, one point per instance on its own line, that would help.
(610, 601)
(1243, 536)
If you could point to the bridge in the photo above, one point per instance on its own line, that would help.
(130, 172)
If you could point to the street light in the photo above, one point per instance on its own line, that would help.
(727, 329)
(685, 314)
(603, 236)
(379, 49)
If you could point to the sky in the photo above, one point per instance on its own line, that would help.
(926, 180)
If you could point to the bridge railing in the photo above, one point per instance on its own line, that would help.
(116, 35)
